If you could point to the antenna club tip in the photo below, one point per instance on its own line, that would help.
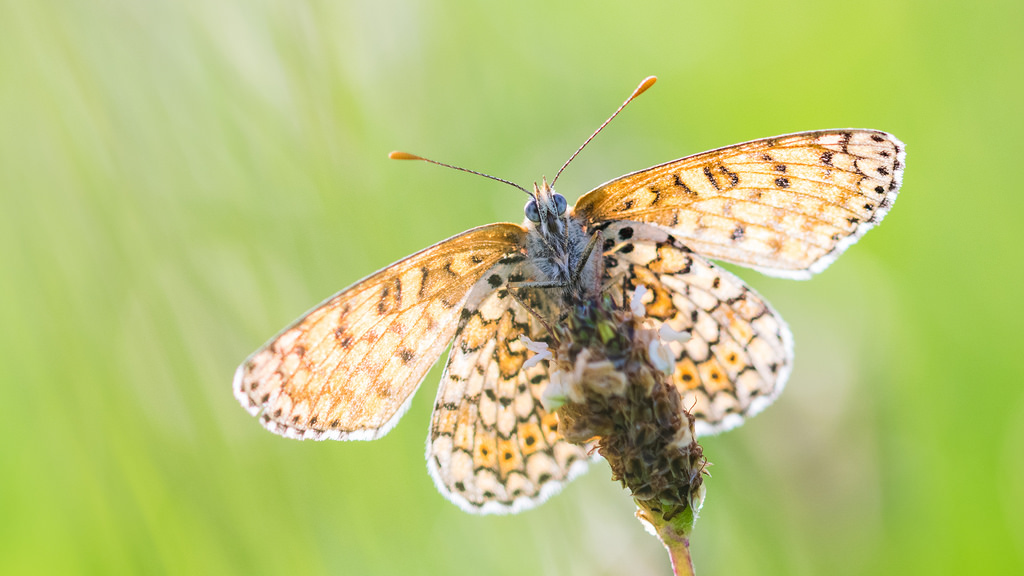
(644, 85)
(397, 155)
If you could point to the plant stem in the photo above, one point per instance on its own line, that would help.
(679, 554)
(673, 529)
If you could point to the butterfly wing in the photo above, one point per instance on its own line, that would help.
(492, 447)
(739, 352)
(786, 206)
(347, 370)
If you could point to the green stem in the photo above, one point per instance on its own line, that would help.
(678, 547)
(673, 532)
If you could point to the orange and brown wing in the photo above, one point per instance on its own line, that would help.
(786, 206)
(493, 448)
(739, 351)
(347, 370)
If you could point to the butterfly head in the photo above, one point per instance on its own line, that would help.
(556, 241)
(547, 210)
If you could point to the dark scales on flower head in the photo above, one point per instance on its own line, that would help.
(631, 407)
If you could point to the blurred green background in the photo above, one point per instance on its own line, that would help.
(181, 179)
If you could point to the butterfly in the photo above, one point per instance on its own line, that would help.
(786, 206)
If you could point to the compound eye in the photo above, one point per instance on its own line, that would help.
(531, 211)
(560, 204)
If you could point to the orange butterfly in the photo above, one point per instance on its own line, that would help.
(786, 206)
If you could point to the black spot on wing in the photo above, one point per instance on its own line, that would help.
(406, 355)
(711, 178)
(734, 178)
(424, 275)
(678, 182)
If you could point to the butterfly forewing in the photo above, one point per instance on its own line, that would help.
(739, 351)
(786, 206)
(348, 369)
(493, 447)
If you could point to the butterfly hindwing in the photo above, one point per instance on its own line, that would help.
(492, 446)
(739, 352)
(786, 206)
(348, 368)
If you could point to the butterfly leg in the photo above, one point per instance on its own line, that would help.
(548, 284)
(578, 273)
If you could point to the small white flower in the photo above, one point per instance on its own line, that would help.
(662, 357)
(635, 305)
(536, 358)
(554, 395)
(670, 334)
(533, 346)
(540, 351)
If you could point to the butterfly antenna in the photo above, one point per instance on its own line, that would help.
(647, 83)
(396, 155)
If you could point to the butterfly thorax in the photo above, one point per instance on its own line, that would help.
(555, 245)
